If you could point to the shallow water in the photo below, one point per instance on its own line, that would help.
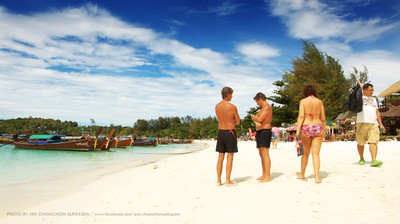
(23, 166)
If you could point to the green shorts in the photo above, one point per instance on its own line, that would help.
(367, 133)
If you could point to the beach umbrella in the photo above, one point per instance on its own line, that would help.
(394, 88)
(330, 123)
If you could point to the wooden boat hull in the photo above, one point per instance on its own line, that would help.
(182, 141)
(55, 142)
(6, 141)
(76, 145)
(123, 143)
(101, 144)
(146, 143)
(164, 142)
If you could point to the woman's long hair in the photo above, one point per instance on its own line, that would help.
(309, 90)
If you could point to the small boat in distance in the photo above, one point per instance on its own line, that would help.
(6, 139)
(145, 142)
(182, 141)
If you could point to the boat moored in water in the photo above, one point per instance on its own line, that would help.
(62, 142)
(55, 142)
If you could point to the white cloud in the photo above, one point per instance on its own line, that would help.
(313, 19)
(335, 34)
(91, 48)
(257, 50)
(225, 8)
(383, 67)
(334, 47)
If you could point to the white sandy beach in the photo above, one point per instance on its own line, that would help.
(182, 189)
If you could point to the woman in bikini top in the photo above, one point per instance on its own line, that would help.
(311, 122)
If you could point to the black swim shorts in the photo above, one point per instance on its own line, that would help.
(227, 141)
(263, 138)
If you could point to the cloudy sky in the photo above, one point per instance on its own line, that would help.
(116, 61)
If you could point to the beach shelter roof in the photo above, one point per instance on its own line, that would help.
(394, 88)
(392, 112)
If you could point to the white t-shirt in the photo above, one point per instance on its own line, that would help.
(368, 114)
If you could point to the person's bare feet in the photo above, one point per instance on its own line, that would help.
(300, 175)
(265, 180)
(230, 184)
(317, 180)
(219, 184)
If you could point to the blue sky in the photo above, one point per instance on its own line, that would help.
(116, 61)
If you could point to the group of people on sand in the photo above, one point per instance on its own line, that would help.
(310, 129)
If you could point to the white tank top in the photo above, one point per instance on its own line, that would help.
(368, 114)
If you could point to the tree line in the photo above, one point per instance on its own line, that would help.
(174, 127)
(313, 68)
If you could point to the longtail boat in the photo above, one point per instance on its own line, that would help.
(6, 140)
(122, 142)
(145, 142)
(126, 142)
(55, 142)
(61, 142)
(182, 141)
(164, 141)
(103, 143)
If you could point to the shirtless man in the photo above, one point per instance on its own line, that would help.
(263, 138)
(228, 118)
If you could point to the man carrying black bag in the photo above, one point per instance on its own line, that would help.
(369, 125)
(355, 103)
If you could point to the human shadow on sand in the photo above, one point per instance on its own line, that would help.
(276, 175)
(242, 179)
(245, 178)
(322, 174)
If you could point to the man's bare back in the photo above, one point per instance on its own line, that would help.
(228, 117)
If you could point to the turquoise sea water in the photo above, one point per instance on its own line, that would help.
(24, 166)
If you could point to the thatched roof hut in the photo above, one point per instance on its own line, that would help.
(392, 112)
(395, 88)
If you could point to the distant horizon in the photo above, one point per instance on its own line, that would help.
(119, 61)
